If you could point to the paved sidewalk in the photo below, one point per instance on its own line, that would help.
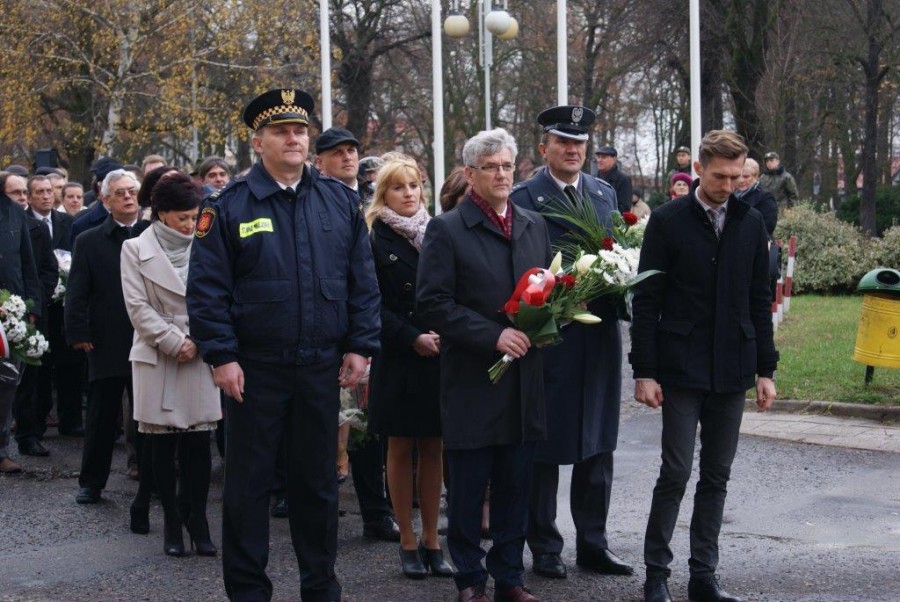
(836, 431)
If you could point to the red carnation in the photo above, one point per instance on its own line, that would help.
(567, 280)
(607, 243)
(629, 218)
(511, 307)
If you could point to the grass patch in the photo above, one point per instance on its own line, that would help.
(816, 342)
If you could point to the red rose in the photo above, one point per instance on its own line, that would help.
(629, 218)
(567, 280)
(511, 307)
(607, 243)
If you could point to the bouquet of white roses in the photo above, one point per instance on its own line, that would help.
(64, 260)
(19, 339)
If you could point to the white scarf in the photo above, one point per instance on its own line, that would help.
(411, 228)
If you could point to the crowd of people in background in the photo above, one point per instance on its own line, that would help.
(244, 315)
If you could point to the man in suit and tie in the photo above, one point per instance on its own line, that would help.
(96, 211)
(97, 323)
(470, 262)
(582, 376)
(61, 366)
(701, 336)
(30, 423)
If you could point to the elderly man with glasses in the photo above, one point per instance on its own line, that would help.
(97, 323)
(470, 262)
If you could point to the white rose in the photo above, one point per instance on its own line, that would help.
(584, 263)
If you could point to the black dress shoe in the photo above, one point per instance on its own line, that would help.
(385, 529)
(707, 589)
(549, 565)
(280, 509)
(656, 589)
(87, 495)
(75, 432)
(434, 561)
(473, 594)
(603, 562)
(411, 563)
(33, 447)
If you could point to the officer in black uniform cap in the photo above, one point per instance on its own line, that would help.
(582, 375)
(284, 304)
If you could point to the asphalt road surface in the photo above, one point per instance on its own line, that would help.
(802, 522)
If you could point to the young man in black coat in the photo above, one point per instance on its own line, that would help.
(701, 335)
(470, 262)
(97, 323)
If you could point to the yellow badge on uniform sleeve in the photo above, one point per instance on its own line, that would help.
(263, 224)
(205, 221)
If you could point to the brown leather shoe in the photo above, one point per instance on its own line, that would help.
(7, 466)
(473, 594)
(516, 594)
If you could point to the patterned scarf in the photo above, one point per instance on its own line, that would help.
(410, 228)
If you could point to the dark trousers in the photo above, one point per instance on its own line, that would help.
(719, 415)
(104, 403)
(589, 498)
(67, 378)
(508, 468)
(25, 409)
(300, 403)
(367, 467)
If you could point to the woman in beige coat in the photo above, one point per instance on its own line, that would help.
(176, 402)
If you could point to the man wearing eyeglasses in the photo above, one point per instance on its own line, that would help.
(97, 323)
(470, 262)
(583, 375)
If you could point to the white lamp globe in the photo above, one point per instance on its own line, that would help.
(497, 22)
(456, 26)
(512, 31)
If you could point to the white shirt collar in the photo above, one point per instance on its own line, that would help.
(562, 185)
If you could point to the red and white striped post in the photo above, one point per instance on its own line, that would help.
(789, 274)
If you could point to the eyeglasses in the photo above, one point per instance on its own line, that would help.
(493, 168)
(121, 193)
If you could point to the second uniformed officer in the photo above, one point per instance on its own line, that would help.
(283, 303)
(582, 376)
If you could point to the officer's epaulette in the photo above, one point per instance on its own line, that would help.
(215, 196)
(517, 186)
(602, 181)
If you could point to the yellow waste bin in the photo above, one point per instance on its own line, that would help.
(878, 336)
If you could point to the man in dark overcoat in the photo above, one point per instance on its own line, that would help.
(470, 262)
(582, 375)
(701, 336)
(97, 323)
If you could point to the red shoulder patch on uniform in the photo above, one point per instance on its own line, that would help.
(205, 221)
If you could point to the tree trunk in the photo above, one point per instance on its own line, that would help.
(874, 74)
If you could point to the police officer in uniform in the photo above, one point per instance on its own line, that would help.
(284, 304)
(582, 376)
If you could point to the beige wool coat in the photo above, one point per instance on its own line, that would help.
(166, 392)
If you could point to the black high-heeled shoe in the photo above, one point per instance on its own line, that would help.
(411, 563)
(140, 519)
(433, 560)
(198, 531)
(173, 541)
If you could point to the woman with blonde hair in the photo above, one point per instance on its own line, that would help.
(403, 386)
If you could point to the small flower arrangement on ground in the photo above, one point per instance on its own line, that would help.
(19, 339)
(354, 410)
(64, 260)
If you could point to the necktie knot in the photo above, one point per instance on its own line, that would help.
(571, 194)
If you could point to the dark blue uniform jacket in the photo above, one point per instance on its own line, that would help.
(279, 279)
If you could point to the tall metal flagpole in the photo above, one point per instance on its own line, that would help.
(696, 125)
(325, 34)
(437, 83)
(562, 55)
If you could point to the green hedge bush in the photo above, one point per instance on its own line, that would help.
(887, 209)
(887, 249)
(832, 255)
